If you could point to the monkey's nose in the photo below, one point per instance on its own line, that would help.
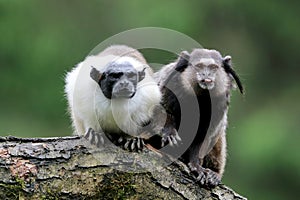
(124, 84)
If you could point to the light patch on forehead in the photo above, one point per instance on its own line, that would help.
(136, 64)
(207, 61)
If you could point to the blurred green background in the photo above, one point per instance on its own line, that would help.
(41, 40)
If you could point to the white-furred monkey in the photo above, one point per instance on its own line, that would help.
(112, 93)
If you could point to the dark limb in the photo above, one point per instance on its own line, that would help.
(204, 176)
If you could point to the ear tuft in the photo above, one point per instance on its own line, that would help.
(141, 74)
(185, 55)
(227, 59)
(183, 61)
(228, 69)
(95, 74)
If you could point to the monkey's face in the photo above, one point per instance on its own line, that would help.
(119, 80)
(206, 72)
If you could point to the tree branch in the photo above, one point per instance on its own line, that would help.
(72, 168)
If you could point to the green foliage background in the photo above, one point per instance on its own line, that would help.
(41, 40)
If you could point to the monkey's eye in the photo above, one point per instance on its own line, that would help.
(116, 75)
(199, 66)
(213, 67)
(131, 75)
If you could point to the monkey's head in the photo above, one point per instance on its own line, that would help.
(206, 74)
(208, 67)
(119, 80)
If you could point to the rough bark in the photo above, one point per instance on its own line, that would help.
(71, 168)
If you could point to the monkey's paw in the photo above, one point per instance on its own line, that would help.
(170, 136)
(96, 138)
(132, 143)
(205, 176)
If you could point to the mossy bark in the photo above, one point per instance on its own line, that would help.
(72, 168)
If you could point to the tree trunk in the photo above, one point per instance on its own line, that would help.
(72, 168)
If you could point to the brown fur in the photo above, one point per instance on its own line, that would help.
(204, 75)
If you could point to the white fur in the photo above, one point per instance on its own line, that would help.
(222, 83)
(207, 61)
(89, 108)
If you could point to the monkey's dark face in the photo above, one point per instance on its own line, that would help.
(206, 72)
(118, 80)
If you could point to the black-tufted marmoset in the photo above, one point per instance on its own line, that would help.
(207, 76)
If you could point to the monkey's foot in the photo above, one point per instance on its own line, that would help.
(132, 143)
(169, 136)
(96, 138)
(205, 176)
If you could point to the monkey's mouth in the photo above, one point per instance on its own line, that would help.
(206, 84)
(123, 93)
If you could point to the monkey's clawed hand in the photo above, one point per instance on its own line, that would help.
(131, 143)
(169, 136)
(205, 176)
(94, 137)
(127, 142)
